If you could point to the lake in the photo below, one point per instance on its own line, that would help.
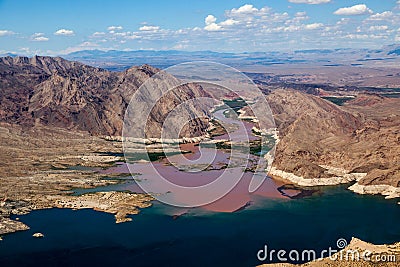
(201, 237)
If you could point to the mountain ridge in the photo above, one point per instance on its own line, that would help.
(57, 92)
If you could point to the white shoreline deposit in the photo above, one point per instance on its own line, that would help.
(149, 141)
(299, 180)
(386, 190)
(342, 177)
(102, 158)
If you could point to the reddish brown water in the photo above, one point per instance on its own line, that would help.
(201, 167)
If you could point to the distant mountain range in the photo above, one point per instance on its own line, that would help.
(119, 60)
(116, 60)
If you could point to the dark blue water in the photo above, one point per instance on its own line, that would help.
(89, 238)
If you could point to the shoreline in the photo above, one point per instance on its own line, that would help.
(121, 204)
(385, 190)
(343, 177)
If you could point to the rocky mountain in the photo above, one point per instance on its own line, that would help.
(322, 143)
(56, 92)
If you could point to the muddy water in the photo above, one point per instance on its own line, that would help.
(205, 165)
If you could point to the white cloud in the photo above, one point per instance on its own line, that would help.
(149, 28)
(210, 24)
(310, 2)
(36, 34)
(180, 46)
(229, 22)
(98, 34)
(314, 26)
(6, 32)
(184, 44)
(210, 19)
(381, 16)
(378, 28)
(353, 10)
(343, 21)
(357, 36)
(364, 36)
(245, 9)
(114, 28)
(132, 37)
(302, 14)
(40, 39)
(212, 27)
(64, 32)
(88, 44)
(292, 28)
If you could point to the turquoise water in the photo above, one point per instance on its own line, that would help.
(200, 238)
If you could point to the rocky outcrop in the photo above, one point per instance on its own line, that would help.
(10, 226)
(38, 235)
(121, 204)
(362, 138)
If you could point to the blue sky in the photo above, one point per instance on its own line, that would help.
(60, 27)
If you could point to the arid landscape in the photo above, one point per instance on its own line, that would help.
(46, 132)
(212, 134)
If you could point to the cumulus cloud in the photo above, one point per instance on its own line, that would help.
(229, 22)
(212, 27)
(381, 16)
(6, 32)
(39, 37)
(210, 19)
(314, 26)
(353, 10)
(64, 32)
(245, 9)
(210, 24)
(115, 28)
(149, 28)
(310, 2)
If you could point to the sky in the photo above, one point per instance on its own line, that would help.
(61, 27)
